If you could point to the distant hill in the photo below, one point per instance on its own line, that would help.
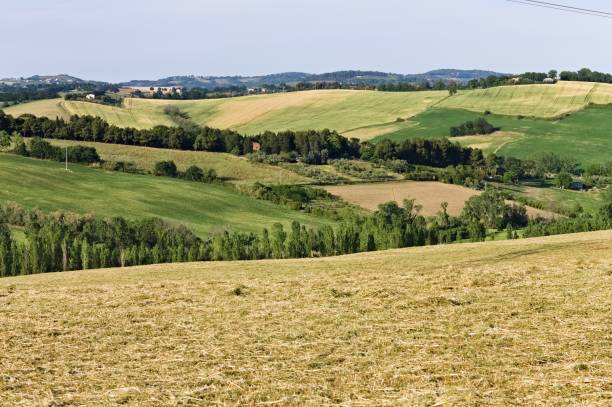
(290, 78)
(345, 77)
(61, 79)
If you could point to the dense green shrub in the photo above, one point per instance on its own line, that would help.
(165, 169)
(478, 126)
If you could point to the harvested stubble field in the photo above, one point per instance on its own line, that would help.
(429, 195)
(503, 323)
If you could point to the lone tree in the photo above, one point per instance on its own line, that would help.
(563, 180)
(552, 74)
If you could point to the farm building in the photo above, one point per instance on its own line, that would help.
(579, 186)
(90, 96)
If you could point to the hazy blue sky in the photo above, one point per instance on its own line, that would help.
(118, 40)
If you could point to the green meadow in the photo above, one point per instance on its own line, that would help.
(584, 135)
(203, 208)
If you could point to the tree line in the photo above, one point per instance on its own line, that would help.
(43, 150)
(586, 75)
(61, 242)
(313, 147)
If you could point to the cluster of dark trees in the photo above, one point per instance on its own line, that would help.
(478, 126)
(294, 196)
(11, 93)
(192, 173)
(42, 149)
(435, 153)
(586, 75)
(61, 242)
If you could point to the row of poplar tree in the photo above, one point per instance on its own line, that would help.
(61, 242)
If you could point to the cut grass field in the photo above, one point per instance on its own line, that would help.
(229, 167)
(522, 322)
(429, 195)
(584, 135)
(202, 207)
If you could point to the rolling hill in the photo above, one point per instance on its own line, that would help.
(341, 110)
(517, 322)
(364, 114)
(583, 135)
(201, 207)
(533, 117)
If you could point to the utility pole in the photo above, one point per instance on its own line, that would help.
(66, 158)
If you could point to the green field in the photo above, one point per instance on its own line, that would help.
(519, 323)
(584, 135)
(201, 207)
(555, 199)
(229, 167)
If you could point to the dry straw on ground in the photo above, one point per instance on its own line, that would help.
(504, 323)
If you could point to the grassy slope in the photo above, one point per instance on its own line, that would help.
(556, 199)
(203, 208)
(505, 323)
(533, 100)
(230, 167)
(584, 135)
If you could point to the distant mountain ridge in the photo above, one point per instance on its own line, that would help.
(61, 79)
(345, 77)
(355, 77)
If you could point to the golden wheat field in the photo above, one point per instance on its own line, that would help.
(429, 195)
(522, 322)
(546, 101)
